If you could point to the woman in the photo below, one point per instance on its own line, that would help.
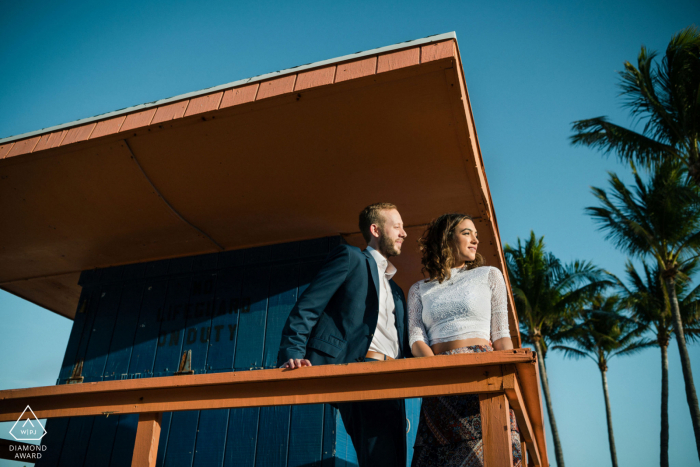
(456, 310)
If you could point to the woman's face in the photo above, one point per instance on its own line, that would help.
(466, 242)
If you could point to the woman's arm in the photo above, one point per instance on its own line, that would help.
(417, 334)
(500, 331)
(421, 349)
(503, 343)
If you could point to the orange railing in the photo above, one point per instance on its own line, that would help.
(503, 379)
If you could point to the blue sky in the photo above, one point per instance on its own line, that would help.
(531, 67)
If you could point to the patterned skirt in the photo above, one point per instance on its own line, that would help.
(449, 430)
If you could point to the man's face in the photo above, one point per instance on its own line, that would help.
(391, 233)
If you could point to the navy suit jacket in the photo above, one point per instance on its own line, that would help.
(335, 318)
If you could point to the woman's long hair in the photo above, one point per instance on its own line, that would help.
(439, 249)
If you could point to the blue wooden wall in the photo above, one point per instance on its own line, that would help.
(228, 308)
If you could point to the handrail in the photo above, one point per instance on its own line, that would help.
(508, 378)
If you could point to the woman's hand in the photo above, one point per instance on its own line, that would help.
(421, 349)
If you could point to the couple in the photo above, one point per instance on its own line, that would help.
(353, 312)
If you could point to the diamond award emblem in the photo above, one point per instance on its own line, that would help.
(27, 427)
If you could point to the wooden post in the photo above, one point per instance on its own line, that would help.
(147, 436)
(495, 430)
(530, 462)
(523, 451)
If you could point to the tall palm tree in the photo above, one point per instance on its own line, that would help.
(665, 96)
(547, 295)
(660, 219)
(648, 301)
(603, 333)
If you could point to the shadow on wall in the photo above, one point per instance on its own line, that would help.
(135, 321)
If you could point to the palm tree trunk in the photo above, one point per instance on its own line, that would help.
(664, 405)
(550, 411)
(690, 393)
(608, 414)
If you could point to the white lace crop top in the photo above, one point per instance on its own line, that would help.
(471, 304)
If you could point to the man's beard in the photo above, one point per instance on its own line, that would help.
(388, 247)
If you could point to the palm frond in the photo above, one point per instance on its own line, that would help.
(628, 145)
(548, 293)
(639, 87)
(573, 353)
(665, 97)
(659, 217)
(603, 330)
(634, 347)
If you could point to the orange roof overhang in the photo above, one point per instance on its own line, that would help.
(292, 157)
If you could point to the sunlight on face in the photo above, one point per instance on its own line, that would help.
(466, 242)
(391, 233)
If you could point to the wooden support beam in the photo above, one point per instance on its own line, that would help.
(495, 430)
(397, 379)
(498, 373)
(147, 436)
(515, 399)
(529, 376)
(232, 394)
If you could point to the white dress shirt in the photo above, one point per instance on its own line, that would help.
(385, 339)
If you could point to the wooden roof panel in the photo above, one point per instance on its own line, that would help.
(203, 104)
(57, 292)
(5, 148)
(347, 58)
(24, 146)
(313, 78)
(169, 112)
(50, 140)
(91, 207)
(276, 86)
(356, 69)
(138, 119)
(400, 59)
(437, 51)
(78, 134)
(108, 127)
(241, 95)
(268, 164)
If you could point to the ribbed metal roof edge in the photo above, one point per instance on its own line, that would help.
(388, 48)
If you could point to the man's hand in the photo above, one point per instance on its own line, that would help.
(296, 363)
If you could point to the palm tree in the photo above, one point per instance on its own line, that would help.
(665, 96)
(602, 334)
(547, 294)
(660, 219)
(648, 301)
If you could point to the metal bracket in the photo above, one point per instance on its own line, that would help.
(77, 375)
(185, 364)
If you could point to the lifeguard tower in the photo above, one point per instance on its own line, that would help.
(178, 235)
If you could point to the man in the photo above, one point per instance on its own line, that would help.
(353, 312)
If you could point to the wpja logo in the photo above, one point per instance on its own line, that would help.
(27, 428)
